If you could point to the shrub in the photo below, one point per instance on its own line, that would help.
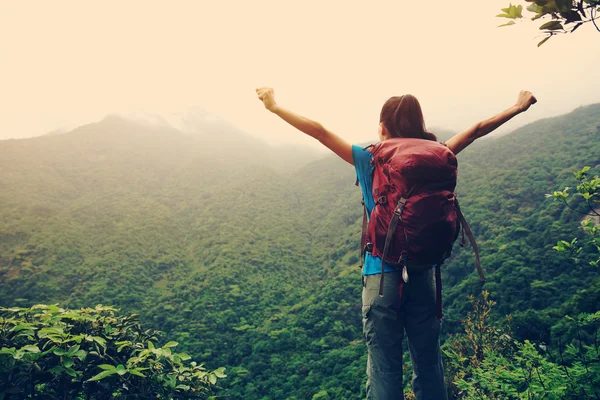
(92, 353)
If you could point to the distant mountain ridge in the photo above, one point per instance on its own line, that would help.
(217, 140)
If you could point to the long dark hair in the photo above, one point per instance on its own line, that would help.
(403, 118)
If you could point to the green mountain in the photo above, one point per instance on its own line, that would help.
(248, 256)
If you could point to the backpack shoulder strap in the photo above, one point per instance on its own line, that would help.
(388, 238)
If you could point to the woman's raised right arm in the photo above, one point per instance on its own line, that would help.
(460, 141)
(312, 128)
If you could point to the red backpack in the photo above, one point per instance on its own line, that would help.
(416, 218)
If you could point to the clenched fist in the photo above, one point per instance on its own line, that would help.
(265, 94)
(525, 100)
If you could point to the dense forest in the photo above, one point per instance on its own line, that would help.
(247, 255)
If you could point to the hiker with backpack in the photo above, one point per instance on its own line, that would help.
(407, 181)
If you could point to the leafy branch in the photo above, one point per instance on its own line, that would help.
(566, 15)
(589, 190)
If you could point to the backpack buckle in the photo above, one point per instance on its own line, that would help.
(402, 262)
(400, 207)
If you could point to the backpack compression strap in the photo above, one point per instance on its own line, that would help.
(467, 229)
(388, 238)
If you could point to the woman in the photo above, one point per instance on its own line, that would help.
(414, 308)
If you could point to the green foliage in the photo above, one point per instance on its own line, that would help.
(589, 190)
(486, 362)
(252, 266)
(511, 12)
(50, 352)
(566, 15)
(467, 352)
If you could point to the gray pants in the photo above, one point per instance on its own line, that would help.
(384, 321)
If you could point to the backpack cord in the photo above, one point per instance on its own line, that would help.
(363, 237)
(438, 290)
(467, 229)
(388, 238)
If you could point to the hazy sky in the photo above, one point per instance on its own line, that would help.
(66, 63)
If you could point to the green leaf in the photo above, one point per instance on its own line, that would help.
(31, 348)
(517, 11)
(57, 370)
(212, 378)
(564, 5)
(14, 309)
(81, 354)
(512, 12)
(170, 344)
(68, 362)
(107, 367)
(101, 341)
(137, 371)
(10, 351)
(220, 372)
(60, 352)
(544, 40)
(50, 331)
(77, 338)
(172, 381)
(551, 26)
(507, 24)
(71, 315)
(122, 345)
(21, 327)
(121, 369)
(73, 350)
(101, 375)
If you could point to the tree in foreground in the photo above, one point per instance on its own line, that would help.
(92, 353)
(565, 15)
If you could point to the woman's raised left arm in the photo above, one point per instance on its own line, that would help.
(459, 142)
(312, 128)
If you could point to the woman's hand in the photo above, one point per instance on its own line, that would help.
(525, 100)
(265, 94)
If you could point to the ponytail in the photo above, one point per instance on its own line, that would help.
(403, 117)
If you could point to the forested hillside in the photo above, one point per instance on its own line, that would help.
(248, 257)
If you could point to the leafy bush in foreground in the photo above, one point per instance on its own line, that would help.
(485, 362)
(50, 352)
